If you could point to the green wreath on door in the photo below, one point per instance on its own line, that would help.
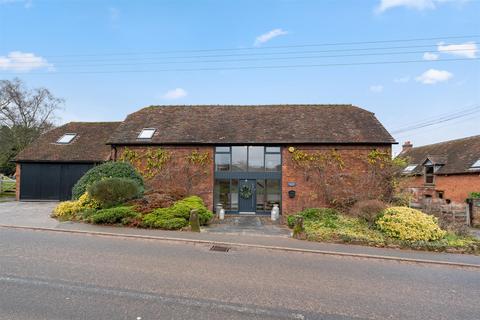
(245, 192)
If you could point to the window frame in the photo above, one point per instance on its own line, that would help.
(265, 152)
(144, 130)
(73, 136)
(429, 175)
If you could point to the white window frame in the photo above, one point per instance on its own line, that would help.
(476, 165)
(66, 138)
(410, 168)
(143, 134)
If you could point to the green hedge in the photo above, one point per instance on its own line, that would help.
(170, 218)
(106, 170)
(113, 215)
(110, 192)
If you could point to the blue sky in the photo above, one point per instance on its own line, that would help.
(108, 58)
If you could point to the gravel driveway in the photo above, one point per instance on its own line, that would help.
(31, 214)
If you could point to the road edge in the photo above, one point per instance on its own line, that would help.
(246, 245)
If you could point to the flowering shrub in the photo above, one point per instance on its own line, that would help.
(409, 225)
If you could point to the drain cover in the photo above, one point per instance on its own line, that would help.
(219, 248)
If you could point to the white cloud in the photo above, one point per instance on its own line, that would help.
(269, 36)
(175, 94)
(430, 56)
(27, 4)
(433, 76)
(376, 88)
(402, 79)
(23, 62)
(467, 49)
(412, 4)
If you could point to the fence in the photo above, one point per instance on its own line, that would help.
(451, 212)
(474, 211)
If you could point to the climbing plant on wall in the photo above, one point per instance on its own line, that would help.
(148, 163)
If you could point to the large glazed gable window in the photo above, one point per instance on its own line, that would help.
(248, 159)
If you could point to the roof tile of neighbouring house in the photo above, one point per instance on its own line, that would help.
(253, 124)
(89, 144)
(454, 156)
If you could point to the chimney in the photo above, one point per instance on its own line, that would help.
(407, 145)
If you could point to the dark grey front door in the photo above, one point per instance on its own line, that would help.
(246, 199)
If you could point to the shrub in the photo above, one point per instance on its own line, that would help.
(157, 199)
(68, 210)
(474, 195)
(106, 170)
(179, 210)
(114, 191)
(367, 210)
(409, 224)
(326, 216)
(113, 215)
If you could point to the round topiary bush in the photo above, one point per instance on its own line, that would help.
(106, 170)
(409, 225)
(114, 191)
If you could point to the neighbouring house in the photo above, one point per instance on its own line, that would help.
(443, 173)
(249, 158)
(48, 168)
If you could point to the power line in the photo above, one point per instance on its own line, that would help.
(249, 67)
(248, 59)
(270, 47)
(441, 119)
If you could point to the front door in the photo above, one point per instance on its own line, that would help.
(246, 199)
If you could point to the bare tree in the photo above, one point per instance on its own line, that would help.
(24, 115)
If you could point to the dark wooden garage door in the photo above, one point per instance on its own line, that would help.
(50, 181)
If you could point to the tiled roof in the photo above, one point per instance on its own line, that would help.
(215, 124)
(455, 156)
(89, 143)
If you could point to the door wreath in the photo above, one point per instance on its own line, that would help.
(245, 192)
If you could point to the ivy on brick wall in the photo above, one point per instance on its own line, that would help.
(148, 163)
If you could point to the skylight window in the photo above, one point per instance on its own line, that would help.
(146, 133)
(66, 138)
(476, 165)
(410, 168)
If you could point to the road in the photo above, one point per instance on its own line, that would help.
(46, 275)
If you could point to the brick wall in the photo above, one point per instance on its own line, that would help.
(307, 195)
(17, 181)
(454, 187)
(177, 175)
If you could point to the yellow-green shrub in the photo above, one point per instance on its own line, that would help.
(409, 225)
(68, 209)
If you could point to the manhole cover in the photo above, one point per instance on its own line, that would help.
(219, 248)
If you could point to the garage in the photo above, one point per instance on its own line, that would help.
(50, 181)
(48, 169)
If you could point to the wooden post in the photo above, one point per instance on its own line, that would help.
(298, 229)
(194, 221)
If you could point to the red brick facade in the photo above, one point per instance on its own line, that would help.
(306, 194)
(177, 174)
(17, 181)
(454, 187)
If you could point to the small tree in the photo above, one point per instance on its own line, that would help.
(24, 115)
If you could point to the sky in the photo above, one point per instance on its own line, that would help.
(408, 61)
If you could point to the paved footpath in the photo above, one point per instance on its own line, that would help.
(36, 215)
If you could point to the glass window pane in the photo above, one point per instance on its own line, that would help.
(273, 149)
(222, 161)
(222, 149)
(255, 159)
(239, 158)
(273, 194)
(234, 195)
(273, 162)
(260, 195)
(222, 193)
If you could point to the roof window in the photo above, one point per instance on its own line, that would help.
(476, 165)
(66, 138)
(410, 168)
(147, 133)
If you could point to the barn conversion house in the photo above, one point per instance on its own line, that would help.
(248, 158)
